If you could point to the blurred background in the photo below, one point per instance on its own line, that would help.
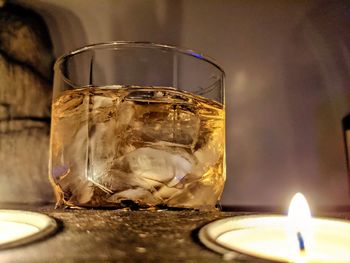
(287, 65)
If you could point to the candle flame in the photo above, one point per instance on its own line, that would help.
(299, 225)
(299, 212)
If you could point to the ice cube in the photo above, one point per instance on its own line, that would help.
(209, 154)
(166, 122)
(125, 113)
(108, 136)
(158, 165)
(71, 104)
(166, 193)
(196, 194)
(79, 189)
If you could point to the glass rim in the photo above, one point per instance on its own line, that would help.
(141, 44)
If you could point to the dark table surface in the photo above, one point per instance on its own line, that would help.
(123, 236)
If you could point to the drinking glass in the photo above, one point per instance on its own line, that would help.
(137, 125)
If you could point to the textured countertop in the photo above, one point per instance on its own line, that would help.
(122, 236)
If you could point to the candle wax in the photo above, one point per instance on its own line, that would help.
(12, 231)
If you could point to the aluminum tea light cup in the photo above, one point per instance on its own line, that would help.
(294, 238)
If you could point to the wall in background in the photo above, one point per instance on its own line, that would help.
(288, 77)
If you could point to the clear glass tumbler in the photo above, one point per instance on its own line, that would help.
(137, 125)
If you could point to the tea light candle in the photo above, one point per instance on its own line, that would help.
(294, 238)
(19, 227)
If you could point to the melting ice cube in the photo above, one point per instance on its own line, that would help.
(158, 165)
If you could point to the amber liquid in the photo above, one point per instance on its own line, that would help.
(145, 146)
